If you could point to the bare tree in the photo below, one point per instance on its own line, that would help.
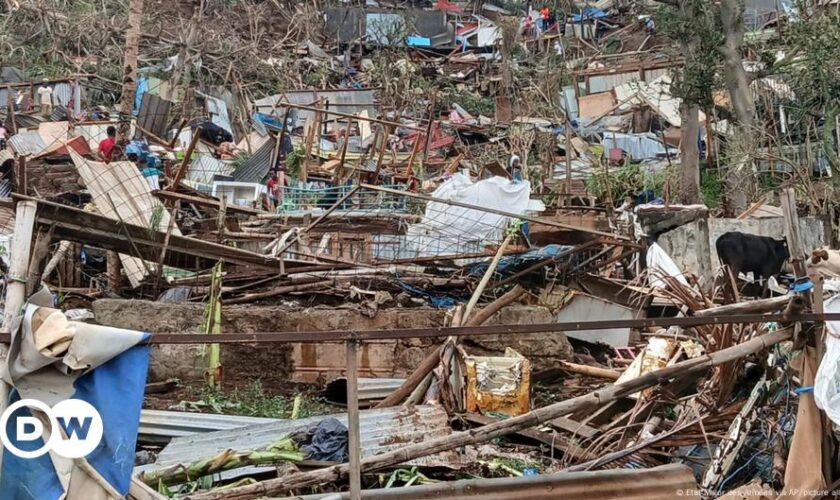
(132, 48)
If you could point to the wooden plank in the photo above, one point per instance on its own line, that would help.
(184, 252)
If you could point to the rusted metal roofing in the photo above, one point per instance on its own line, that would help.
(659, 483)
(382, 430)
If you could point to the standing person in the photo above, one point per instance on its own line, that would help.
(106, 147)
(545, 13)
(45, 94)
(3, 137)
(276, 183)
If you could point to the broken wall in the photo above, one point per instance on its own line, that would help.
(52, 179)
(682, 245)
(316, 362)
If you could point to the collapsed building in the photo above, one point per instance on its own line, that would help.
(457, 285)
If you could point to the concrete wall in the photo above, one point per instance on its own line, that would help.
(315, 362)
(682, 244)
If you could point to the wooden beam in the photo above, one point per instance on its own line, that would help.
(72, 224)
(182, 171)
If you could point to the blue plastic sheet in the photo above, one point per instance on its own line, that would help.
(515, 263)
(116, 390)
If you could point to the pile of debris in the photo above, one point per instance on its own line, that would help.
(451, 271)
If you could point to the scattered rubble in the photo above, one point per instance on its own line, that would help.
(401, 246)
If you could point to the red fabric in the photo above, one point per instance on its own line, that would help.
(273, 190)
(106, 148)
(545, 13)
(275, 186)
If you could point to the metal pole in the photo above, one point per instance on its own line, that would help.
(353, 420)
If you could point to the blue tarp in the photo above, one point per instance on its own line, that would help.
(515, 263)
(268, 120)
(589, 13)
(440, 301)
(115, 389)
(418, 41)
(142, 88)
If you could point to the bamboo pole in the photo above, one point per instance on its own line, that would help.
(182, 170)
(19, 268)
(486, 433)
(753, 306)
(491, 269)
(59, 254)
(16, 284)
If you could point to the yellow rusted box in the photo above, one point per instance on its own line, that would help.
(499, 384)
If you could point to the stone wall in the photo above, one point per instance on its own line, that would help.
(315, 362)
(681, 243)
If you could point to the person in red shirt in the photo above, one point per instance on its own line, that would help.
(276, 183)
(545, 13)
(106, 147)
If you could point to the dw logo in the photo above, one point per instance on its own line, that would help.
(75, 428)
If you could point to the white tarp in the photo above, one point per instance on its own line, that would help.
(827, 381)
(660, 263)
(448, 229)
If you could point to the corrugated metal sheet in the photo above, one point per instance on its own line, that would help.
(382, 430)
(217, 109)
(7, 221)
(659, 483)
(153, 115)
(160, 427)
(204, 167)
(121, 193)
(256, 167)
(6, 155)
(27, 143)
(62, 94)
(342, 101)
(27, 121)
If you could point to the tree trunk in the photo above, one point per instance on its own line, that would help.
(689, 154)
(132, 43)
(738, 84)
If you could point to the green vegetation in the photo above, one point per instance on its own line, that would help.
(253, 401)
(619, 182)
(712, 188)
